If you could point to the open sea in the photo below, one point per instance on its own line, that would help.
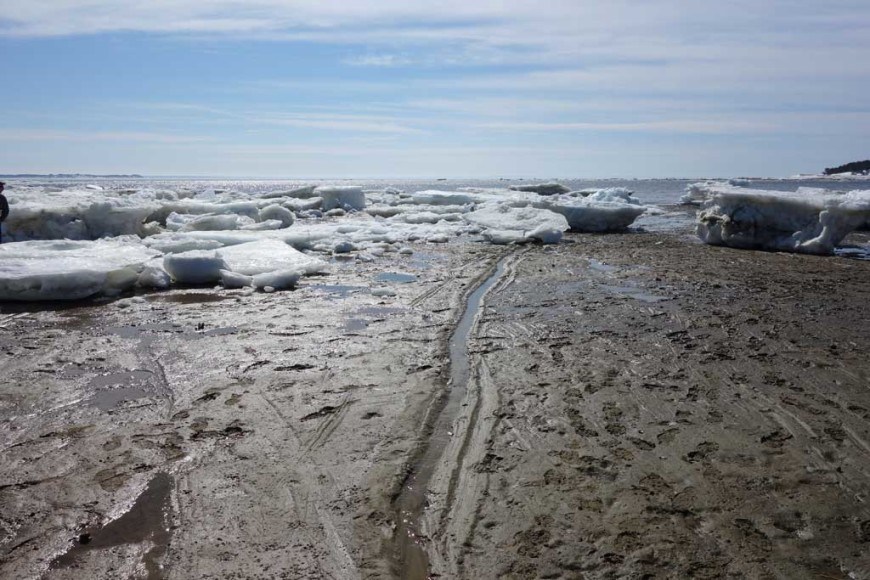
(649, 191)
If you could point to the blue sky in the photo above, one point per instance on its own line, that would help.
(384, 88)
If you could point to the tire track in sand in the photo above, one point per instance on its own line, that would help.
(424, 505)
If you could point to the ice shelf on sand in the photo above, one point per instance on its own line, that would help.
(345, 197)
(808, 221)
(75, 214)
(254, 260)
(607, 210)
(505, 225)
(265, 239)
(70, 270)
(265, 256)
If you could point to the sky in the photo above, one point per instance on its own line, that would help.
(437, 88)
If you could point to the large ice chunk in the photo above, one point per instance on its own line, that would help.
(73, 214)
(542, 188)
(436, 197)
(232, 280)
(153, 275)
(194, 267)
(177, 243)
(806, 222)
(207, 207)
(614, 194)
(276, 212)
(591, 214)
(277, 280)
(70, 270)
(207, 222)
(265, 256)
(698, 193)
(300, 192)
(345, 197)
(513, 224)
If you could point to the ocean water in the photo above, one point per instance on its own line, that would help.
(649, 191)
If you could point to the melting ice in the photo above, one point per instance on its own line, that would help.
(809, 220)
(85, 241)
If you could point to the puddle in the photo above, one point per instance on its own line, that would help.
(411, 503)
(395, 277)
(147, 332)
(147, 522)
(117, 388)
(423, 261)
(75, 308)
(379, 310)
(670, 221)
(636, 293)
(371, 314)
(601, 266)
(111, 398)
(355, 324)
(123, 378)
(337, 291)
(139, 330)
(223, 331)
(193, 298)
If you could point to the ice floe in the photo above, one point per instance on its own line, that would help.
(345, 197)
(265, 256)
(505, 225)
(70, 269)
(76, 214)
(542, 188)
(194, 266)
(808, 221)
(698, 193)
(591, 214)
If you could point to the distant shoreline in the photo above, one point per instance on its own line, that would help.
(69, 176)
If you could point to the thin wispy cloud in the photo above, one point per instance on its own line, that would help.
(666, 126)
(328, 119)
(338, 122)
(379, 60)
(87, 136)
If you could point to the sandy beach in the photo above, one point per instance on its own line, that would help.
(637, 405)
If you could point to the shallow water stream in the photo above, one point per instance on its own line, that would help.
(411, 504)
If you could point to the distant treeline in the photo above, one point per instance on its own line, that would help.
(854, 167)
(66, 176)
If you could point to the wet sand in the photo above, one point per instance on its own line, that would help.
(636, 405)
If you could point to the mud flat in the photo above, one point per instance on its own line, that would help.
(634, 405)
(664, 409)
(279, 422)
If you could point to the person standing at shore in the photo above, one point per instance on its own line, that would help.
(4, 209)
